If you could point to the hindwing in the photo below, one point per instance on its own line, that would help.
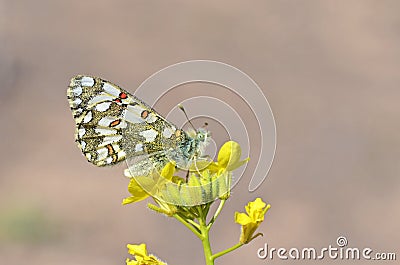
(113, 125)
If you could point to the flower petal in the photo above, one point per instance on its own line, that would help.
(137, 191)
(242, 218)
(132, 199)
(236, 165)
(229, 157)
(168, 171)
(229, 153)
(137, 250)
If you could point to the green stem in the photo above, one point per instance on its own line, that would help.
(217, 212)
(205, 240)
(194, 224)
(219, 254)
(193, 229)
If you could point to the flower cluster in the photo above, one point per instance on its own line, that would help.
(207, 181)
(141, 257)
(189, 200)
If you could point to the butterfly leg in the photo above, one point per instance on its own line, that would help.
(187, 176)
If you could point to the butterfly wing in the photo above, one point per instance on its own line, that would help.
(112, 124)
(144, 165)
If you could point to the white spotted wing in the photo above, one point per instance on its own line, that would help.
(113, 125)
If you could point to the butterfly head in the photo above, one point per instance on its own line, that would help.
(202, 137)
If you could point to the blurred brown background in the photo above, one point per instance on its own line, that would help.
(330, 70)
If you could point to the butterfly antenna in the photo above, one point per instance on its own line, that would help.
(184, 112)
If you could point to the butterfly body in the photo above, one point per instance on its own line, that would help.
(112, 126)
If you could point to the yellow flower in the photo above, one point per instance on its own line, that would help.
(144, 186)
(250, 221)
(208, 180)
(228, 158)
(141, 257)
(138, 193)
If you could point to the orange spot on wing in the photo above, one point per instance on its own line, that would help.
(110, 149)
(144, 114)
(115, 123)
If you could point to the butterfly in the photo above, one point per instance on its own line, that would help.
(114, 126)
